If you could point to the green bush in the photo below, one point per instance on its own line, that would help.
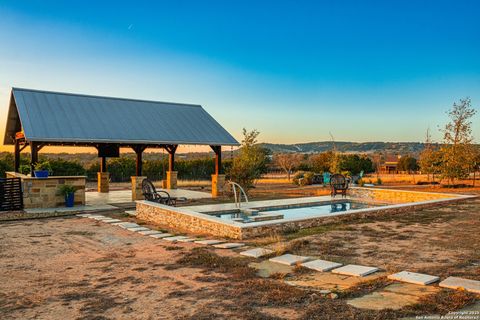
(303, 178)
(60, 167)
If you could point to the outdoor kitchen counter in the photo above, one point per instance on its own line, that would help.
(43, 192)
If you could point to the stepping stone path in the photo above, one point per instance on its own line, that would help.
(321, 265)
(126, 225)
(256, 253)
(461, 283)
(149, 232)
(84, 215)
(132, 213)
(332, 281)
(229, 245)
(394, 296)
(137, 229)
(355, 270)
(175, 238)
(415, 278)
(161, 235)
(97, 217)
(186, 240)
(209, 242)
(290, 259)
(111, 220)
(267, 268)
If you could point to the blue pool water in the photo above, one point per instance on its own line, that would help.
(300, 212)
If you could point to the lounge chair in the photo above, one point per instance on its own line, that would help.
(163, 197)
(338, 185)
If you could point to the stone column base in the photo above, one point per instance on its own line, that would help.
(103, 182)
(137, 192)
(218, 183)
(172, 179)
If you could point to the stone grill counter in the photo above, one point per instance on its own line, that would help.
(43, 193)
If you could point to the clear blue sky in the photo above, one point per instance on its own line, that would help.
(295, 70)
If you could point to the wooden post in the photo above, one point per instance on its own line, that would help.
(34, 157)
(171, 173)
(218, 179)
(16, 161)
(103, 164)
(171, 156)
(218, 159)
(139, 151)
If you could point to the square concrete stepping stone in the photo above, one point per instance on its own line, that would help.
(229, 245)
(412, 277)
(84, 215)
(394, 296)
(461, 284)
(126, 225)
(267, 268)
(355, 270)
(137, 229)
(111, 220)
(321, 265)
(97, 217)
(161, 235)
(149, 232)
(332, 281)
(209, 242)
(290, 259)
(186, 240)
(175, 238)
(256, 252)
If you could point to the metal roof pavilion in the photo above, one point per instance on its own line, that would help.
(44, 118)
(64, 117)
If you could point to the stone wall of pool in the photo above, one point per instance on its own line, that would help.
(199, 219)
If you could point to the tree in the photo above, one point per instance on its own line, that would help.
(321, 162)
(354, 164)
(408, 164)
(457, 137)
(250, 162)
(430, 159)
(288, 161)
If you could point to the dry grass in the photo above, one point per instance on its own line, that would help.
(442, 302)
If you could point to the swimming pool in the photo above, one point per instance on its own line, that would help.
(262, 217)
(248, 216)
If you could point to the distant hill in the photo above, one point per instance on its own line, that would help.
(401, 148)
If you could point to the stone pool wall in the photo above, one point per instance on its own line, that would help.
(186, 220)
(395, 196)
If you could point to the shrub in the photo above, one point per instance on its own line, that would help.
(360, 182)
(60, 167)
(379, 181)
(302, 178)
(250, 163)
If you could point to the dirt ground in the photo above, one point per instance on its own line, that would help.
(75, 268)
(443, 241)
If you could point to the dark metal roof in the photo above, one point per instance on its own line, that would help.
(64, 117)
